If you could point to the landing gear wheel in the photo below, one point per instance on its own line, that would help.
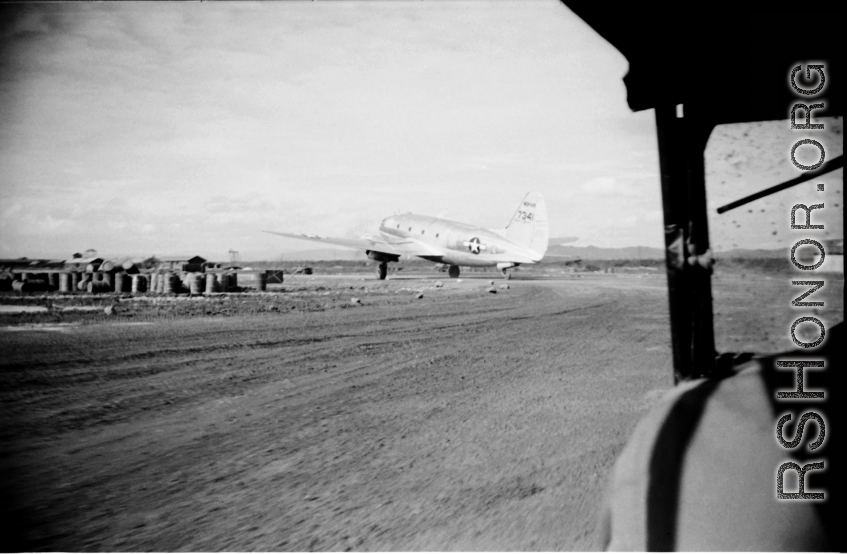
(506, 275)
(453, 272)
(382, 270)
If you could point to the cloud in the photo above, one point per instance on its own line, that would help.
(606, 187)
(11, 211)
(207, 122)
(600, 186)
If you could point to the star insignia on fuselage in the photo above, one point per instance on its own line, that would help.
(474, 245)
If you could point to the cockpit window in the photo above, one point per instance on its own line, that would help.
(752, 242)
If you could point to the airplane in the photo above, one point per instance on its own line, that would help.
(523, 241)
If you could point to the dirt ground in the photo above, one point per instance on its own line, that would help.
(296, 420)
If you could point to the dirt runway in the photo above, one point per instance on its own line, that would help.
(462, 420)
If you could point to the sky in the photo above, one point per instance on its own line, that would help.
(187, 128)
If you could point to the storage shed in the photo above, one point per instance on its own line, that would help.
(79, 264)
(180, 263)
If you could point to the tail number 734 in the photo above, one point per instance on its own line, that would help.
(524, 216)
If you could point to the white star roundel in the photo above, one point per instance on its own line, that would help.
(474, 245)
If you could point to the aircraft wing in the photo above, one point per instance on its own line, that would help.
(414, 247)
(399, 247)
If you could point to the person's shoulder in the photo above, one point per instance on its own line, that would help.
(700, 469)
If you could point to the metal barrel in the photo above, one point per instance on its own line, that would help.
(108, 265)
(98, 287)
(171, 284)
(75, 277)
(224, 282)
(91, 268)
(25, 276)
(122, 282)
(211, 282)
(153, 282)
(139, 283)
(130, 267)
(260, 279)
(64, 282)
(53, 279)
(160, 286)
(82, 284)
(31, 285)
(109, 279)
(126, 286)
(195, 282)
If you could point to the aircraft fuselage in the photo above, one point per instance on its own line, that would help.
(461, 244)
(522, 241)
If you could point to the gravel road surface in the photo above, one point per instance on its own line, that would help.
(300, 420)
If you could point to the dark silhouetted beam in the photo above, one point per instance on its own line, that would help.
(831, 165)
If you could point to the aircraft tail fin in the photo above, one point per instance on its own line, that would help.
(528, 226)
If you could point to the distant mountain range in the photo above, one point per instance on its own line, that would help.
(597, 253)
(754, 253)
(556, 250)
(321, 254)
(649, 253)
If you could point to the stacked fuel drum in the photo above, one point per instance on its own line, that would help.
(126, 277)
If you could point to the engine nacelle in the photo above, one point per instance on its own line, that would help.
(506, 265)
(382, 257)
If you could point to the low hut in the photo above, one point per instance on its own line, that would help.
(79, 264)
(180, 263)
